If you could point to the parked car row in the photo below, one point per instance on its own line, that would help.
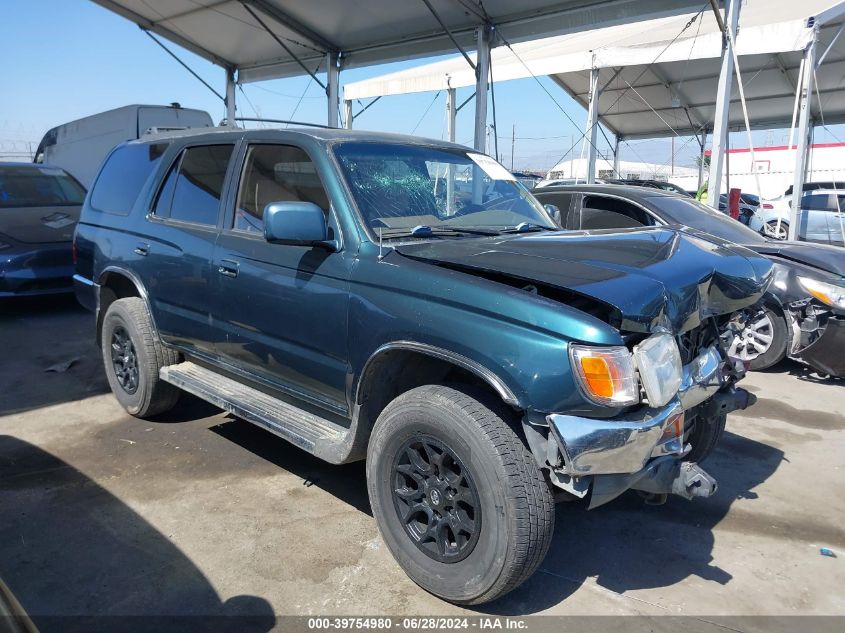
(410, 303)
(39, 209)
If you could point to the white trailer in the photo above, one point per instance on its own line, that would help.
(80, 146)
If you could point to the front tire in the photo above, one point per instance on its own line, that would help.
(773, 230)
(459, 500)
(133, 356)
(704, 436)
(763, 341)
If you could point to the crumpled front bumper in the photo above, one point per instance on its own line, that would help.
(827, 353)
(626, 448)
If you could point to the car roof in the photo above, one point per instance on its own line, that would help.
(325, 135)
(19, 164)
(630, 191)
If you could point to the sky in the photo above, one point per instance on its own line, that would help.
(73, 58)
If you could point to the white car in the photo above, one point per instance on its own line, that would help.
(822, 217)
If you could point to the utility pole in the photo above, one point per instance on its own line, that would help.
(672, 168)
(513, 143)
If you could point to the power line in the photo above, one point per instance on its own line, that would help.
(426, 112)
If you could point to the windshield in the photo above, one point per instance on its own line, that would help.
(699, 216)
(38, 187)
(402, 187)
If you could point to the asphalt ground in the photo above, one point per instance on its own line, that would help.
(201, 514)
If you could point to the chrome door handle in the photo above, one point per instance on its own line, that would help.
(228, 268)
(142, 249)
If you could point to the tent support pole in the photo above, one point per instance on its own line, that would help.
(723, 104)
(451, 112)
(230, 97)
(703, 143)
(348, 117)
(616, 173)
(482, 76)
(802, 148)
(592, 125)
(332, 88)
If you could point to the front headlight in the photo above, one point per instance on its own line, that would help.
(829, 294)
(605, 374)
(659, 362)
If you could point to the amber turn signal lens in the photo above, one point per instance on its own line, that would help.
(597, 376)
(606, 374)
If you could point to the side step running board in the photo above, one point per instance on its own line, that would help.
(306, 430)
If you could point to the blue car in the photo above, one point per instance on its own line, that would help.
(39, 209)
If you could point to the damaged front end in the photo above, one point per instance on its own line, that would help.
(817, 336)
(651, 448)
(813, 312)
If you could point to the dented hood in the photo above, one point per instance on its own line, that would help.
(651, 277)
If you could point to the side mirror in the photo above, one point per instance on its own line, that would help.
(554, 211)
(295, 223)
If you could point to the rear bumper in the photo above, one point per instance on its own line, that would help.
(86, 292)
(827, 353)
(43, 271)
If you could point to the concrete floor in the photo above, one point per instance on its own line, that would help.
(199, 513)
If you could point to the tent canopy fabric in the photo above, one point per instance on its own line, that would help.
(364, 32)
(642, 98)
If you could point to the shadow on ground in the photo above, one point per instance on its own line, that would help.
(626, 545)
(37, 335)
(101, 566)
(802, 372)
(348, 482)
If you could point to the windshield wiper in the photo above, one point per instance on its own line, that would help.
(526, 227)
(424, 230)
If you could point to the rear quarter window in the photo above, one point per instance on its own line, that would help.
(123, 176)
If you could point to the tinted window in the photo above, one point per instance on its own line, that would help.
(165, 195)
(562, 201)
(121, 178)
(199, 185)
(598, 212)
(817, 202)
(276, 173)
(699, 216)
(38, 187)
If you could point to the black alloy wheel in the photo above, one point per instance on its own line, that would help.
(436, 500)
(124, 360)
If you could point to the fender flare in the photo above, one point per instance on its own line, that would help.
(482, 372)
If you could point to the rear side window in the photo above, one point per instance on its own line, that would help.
(818, 202)
(199, 184)
(38, 187)
(122, 177)
(599, 212)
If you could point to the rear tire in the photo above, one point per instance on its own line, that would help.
(133, 355)
(464, 474)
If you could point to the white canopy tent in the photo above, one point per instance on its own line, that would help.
(660, 79)
(256, 40)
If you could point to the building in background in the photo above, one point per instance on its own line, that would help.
(577, 168)
(772, 167)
